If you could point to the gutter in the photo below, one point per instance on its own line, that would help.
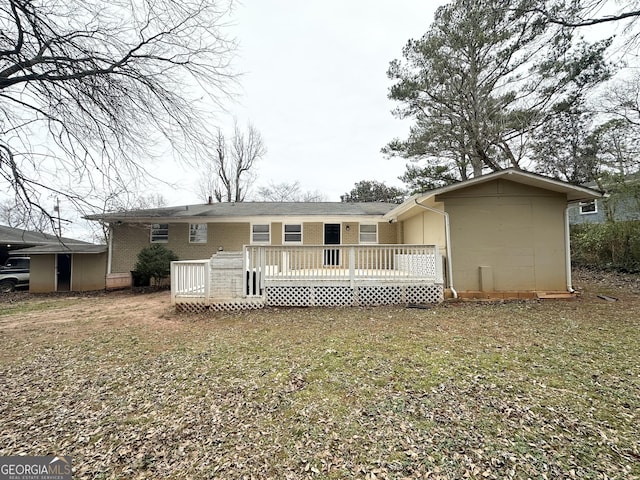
(447, 232)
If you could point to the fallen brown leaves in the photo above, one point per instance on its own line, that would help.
(511, 390)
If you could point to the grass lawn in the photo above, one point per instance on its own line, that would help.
(512, 390)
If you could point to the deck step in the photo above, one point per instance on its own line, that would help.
(556, 296)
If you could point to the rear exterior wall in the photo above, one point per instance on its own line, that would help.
(128, 239)
(507, 237)
(87, 272)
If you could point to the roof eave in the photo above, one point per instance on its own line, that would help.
(575, 193)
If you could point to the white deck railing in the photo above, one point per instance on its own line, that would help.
(190, 279)
(311, 265)
(341, 262)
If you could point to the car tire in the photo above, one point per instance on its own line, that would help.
(7, 286)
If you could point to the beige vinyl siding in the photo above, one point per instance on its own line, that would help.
(88, 271)
(42, 273)
(351, 236)
(129, 239)
(387, 233)
(515, 232)
(312, 233)
(276, 233)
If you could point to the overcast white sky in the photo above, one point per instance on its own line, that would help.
(315, 86)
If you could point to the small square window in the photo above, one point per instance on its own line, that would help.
(293, 233)
(159, 233)
(588, 207)
(368, 233)
(260, 233)
(198, 233)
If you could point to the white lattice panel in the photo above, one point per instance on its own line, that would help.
(417, 265)
(379, 295)
(220, 306)
(424, 294)
(288, 296)
(332, 296)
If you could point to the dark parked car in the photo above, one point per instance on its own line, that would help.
(14, 273)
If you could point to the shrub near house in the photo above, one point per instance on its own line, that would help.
(154, 262)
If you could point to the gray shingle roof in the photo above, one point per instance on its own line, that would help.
(16, 236)
(251, 209)
(61, 248)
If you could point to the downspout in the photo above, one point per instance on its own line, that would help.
(109, 249)
(567, 250)
(447, 233)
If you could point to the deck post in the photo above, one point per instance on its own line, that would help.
(174, 283)
(207, 283)
(352, 266)
(263, 270)
(246, 268)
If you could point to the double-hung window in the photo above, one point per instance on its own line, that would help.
(368, 233)
(198, 233)
(260, 233)
(293, 233)
(160, 233)
(588, 207)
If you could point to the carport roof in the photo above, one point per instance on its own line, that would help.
(17, 236)
(61, 248)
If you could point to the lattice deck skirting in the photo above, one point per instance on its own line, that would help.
(322, 296)
(230, 305)
(338, 296)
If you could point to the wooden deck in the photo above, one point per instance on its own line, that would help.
(310, 276)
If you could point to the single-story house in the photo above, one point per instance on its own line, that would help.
(621, 203)
(504, 234)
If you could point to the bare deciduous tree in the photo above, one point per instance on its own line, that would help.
(229, 173)
(288, 192)
(89, 90)
(17, 214)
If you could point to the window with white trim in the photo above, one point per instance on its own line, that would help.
(368, 233)
(588, 207)
(160, 233)
(260, 233)
(197, 233)
(292, 233)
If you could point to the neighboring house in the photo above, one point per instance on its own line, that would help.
(504, 234)
(620, 203)
(57, 263)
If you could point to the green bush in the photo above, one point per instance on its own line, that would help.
(611, 245)
(154, 262)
